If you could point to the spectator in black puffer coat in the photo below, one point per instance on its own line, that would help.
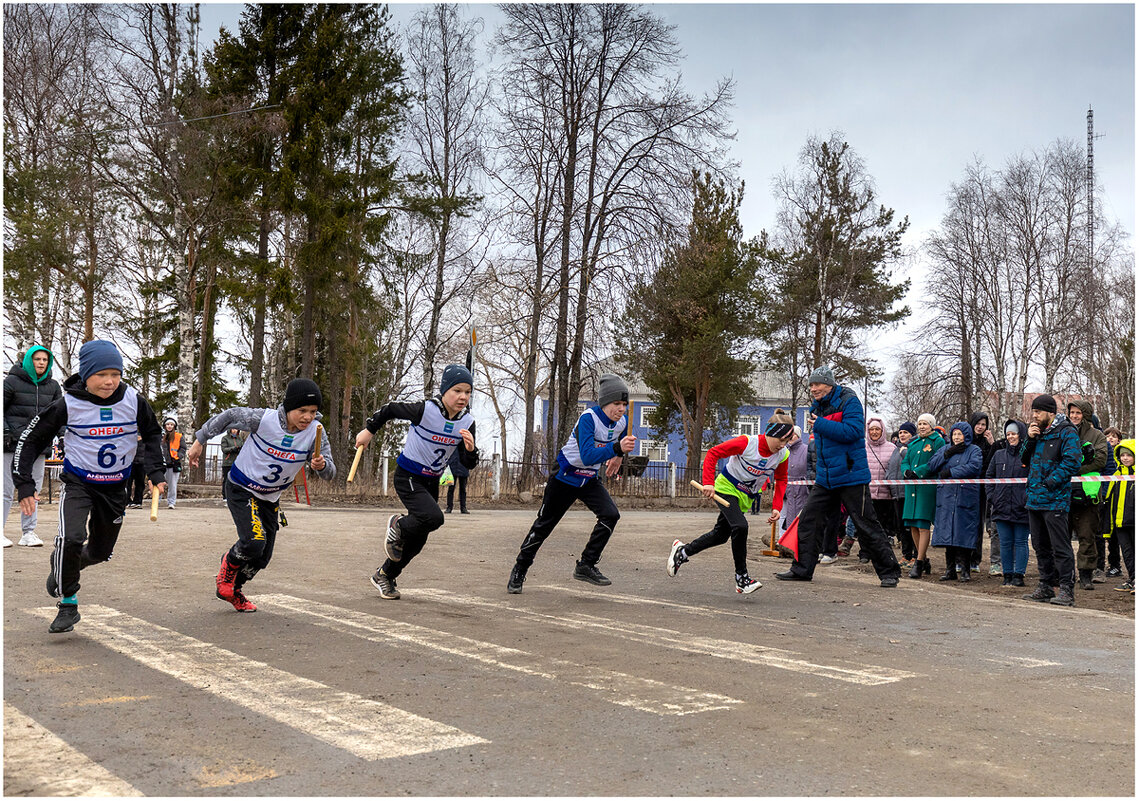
(28, 390)
(1009, 503)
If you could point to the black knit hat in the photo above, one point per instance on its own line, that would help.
(1045, 403)
(302, 392)
(908, 426)
(455, 374)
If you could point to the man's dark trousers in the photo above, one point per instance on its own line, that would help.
(1053, 545)
(872, 539)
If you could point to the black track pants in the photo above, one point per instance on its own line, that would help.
(257, 521)
(556, 502)
(856, 498)
(731, 524)
(89, 521)
(420, 494)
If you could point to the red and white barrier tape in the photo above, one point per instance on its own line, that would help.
(933, 481)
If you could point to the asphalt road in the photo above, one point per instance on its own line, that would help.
(653, 686)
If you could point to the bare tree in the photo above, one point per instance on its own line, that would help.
(446, 130)
(627, 139)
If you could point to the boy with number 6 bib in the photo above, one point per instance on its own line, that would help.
(102, 419)
(439, 426)
(281, 441)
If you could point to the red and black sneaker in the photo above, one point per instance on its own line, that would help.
(241, 603)
(225, 578)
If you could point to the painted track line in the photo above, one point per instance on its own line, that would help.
(369, 729)
(39, 763)
(622, 689)
(869, 675)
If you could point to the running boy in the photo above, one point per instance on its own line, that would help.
(439, 425)
(102, 419)
(752, 462)
(281, 441)
(596, 438)
(1121, 503)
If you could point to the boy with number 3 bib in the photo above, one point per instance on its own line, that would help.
(103, 420)
(281, 441)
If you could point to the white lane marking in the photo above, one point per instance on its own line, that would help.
(710, 646)
(39, 763)
(622, 689)
(369, 729)
(1027, 661)
(620, 598)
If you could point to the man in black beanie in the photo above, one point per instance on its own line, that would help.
(1052, 456)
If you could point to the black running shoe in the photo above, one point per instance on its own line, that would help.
(66, 619)
(746, 584)
(386, 585)
(393, 542)
(590, 573)
(514, 584)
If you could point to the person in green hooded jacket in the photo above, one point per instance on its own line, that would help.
(921, 502)
(28, 390)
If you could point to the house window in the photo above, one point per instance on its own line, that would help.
(656, 450)
(747, 425)
(645, 411)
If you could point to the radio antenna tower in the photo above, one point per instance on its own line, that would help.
(1090, 180)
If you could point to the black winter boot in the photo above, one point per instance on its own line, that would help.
(1086, 580)
(1018, 579)
(965, 571)
(950, 573)
(916, 570)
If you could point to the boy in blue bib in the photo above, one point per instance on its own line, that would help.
(104, 421)
(440, 426)
(596, 440)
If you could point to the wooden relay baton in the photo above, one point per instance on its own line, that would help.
(717, 498)
(153, 502)
(355, 463)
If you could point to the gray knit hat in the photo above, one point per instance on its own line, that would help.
(822, 375)
(613, 389)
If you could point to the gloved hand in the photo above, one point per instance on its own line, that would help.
(953, 450)
(945, 473)
(909, 474)
(1088, 453)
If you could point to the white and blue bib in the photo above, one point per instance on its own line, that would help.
(100, 440)
(749, 472)
(430, 444)
(605, 432)
(272, 457)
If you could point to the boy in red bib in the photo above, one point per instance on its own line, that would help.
(751, 463)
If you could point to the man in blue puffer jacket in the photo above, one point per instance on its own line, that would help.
(1052, 455)
(842, 476)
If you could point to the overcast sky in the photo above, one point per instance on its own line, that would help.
(919, 91)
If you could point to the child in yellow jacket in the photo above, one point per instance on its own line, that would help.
(1121, 504)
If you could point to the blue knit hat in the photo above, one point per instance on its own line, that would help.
(908, 426)
(455, 374)
(97, 355)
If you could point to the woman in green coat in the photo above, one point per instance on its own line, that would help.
(921, 502)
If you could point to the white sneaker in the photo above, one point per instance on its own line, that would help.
(31, 540)
(7, 543)
(675, 560)
(827, 559)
